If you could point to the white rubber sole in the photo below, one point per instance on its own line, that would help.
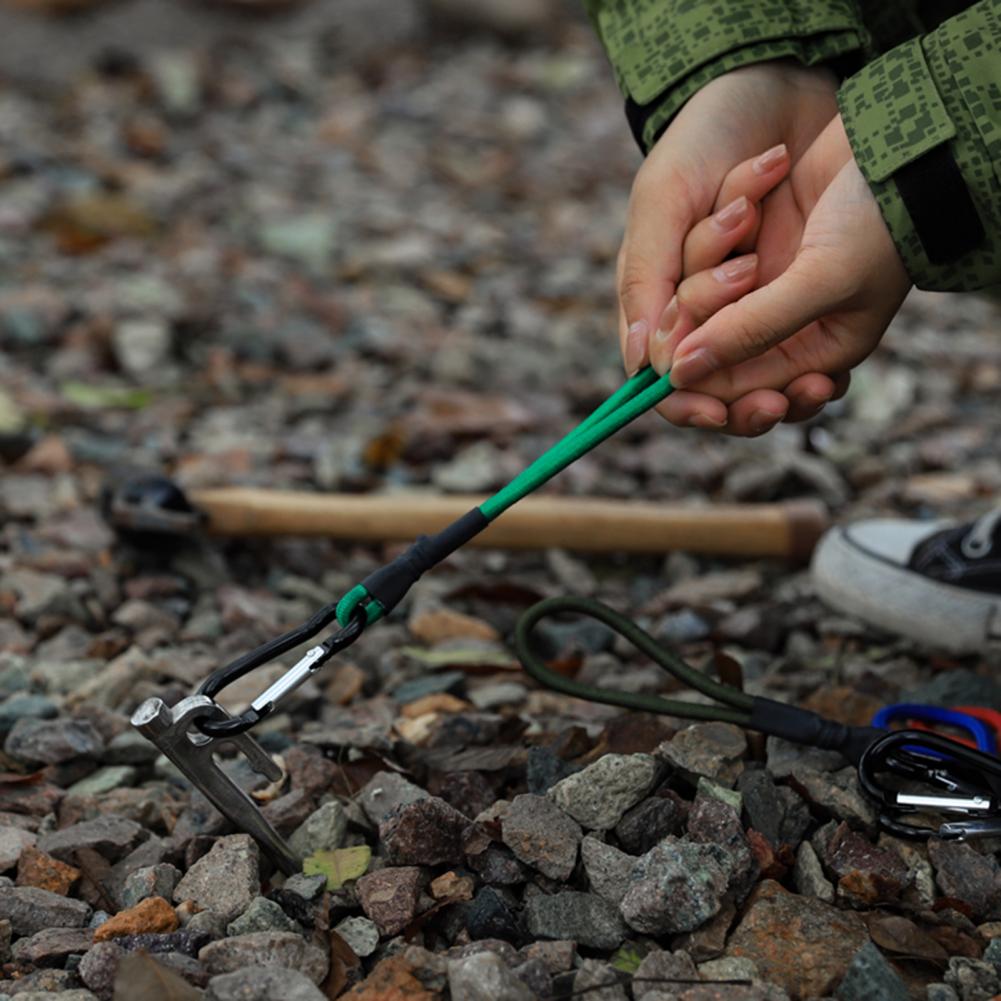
(857, 582)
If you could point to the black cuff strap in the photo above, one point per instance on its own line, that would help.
(779, 719)
(934, 12)
(636, 116)
(940, 205)
(389, 584)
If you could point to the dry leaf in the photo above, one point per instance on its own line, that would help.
(16, 779)
(339, 865)
(139, 976)
(897, 934)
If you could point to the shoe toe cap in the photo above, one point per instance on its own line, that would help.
(890, 539)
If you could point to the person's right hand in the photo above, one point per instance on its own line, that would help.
(779, 107)
(829, 281)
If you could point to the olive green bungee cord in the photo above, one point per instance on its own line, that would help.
(740, 705)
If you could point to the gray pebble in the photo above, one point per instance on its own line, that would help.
(359, 933)
(262, 915)
(323, 830)
(607, 869)
(584, 918)
(225, 880)
(485, 977)
(541, 835)
(29, 910)
(263, 983)
(597, 796)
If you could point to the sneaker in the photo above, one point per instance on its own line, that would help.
(933, 582)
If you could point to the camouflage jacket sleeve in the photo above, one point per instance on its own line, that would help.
(663, 51)
(924, 121)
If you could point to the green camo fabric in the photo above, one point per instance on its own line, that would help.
(915, 89)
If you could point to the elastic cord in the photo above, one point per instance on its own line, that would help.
(753, 712)
(737, 706)
(379, 593)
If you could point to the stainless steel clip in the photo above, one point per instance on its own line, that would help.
(172, 731)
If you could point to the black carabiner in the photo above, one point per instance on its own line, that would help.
(266, 702)
(970, 780)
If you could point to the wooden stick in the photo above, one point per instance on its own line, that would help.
(788, 530)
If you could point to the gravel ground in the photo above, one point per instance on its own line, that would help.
(278, 259)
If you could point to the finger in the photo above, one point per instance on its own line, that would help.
(698, 298)
(760, 320)
(693, 410)
(842, 383)
(635, 355)
(807, 396)
(755, 177)
(711, 241)
(650, 259)
(730, 228)
(757, 412)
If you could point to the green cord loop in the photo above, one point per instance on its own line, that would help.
(739, 703)
(349, 603)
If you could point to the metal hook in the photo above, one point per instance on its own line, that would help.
(173, 732)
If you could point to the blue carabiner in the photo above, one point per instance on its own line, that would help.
(904, 711)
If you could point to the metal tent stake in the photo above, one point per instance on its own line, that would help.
(174, 733)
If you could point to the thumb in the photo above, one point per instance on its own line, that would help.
(755, 323)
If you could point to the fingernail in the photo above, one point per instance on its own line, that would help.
(732, 215)
(770, 159)
(668, 321)
(694, 367)
(705, 422)
(761, 420)
(636, 342)
(735, 270)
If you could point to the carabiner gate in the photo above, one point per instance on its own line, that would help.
(970, 780)
(266, 703)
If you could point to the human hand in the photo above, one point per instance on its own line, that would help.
(832, 281)
(738, 116)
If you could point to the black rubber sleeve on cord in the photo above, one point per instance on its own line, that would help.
(801, 726)
(389, 584)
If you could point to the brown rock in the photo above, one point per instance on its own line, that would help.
(35, 799)
(308, 769)
(708, 941)
(557, 956)
(35, 868)
(391, 980)
(844, 704)
(153, 914)
(437, 624)
(541, 835)
(967, 875)
(437, 702)
(453, 887)
(290, 811)
(389, 896)
(428, 832)
(802, 944)
(866, 874)
(346, 682)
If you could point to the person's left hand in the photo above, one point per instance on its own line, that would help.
(830, 282)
